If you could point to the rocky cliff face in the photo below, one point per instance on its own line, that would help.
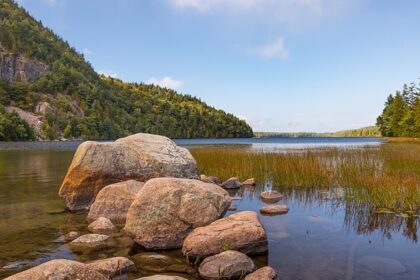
(14, 67)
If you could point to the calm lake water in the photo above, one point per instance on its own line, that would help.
(320, 238)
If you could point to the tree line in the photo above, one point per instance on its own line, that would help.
(401, 115)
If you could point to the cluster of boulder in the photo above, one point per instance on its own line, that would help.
(151, 189)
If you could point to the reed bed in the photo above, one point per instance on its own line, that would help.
(386, 176)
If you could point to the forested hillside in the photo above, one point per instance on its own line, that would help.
(62, 96)
(401, 115)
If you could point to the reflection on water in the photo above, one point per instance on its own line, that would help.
(324, 235)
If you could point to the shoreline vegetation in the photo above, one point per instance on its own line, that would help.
(382, 177)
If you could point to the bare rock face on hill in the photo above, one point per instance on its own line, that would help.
(139, 157)
(14, 67)
(166, 210)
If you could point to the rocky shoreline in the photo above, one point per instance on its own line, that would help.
(146, 192)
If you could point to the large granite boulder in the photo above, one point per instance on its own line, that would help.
(226, 265)
(113, 201)
(140, 157)
(59, 270)
(166, 210)
(241, 231)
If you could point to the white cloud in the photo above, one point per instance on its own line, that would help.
(241, 117)
(87, 51)
(109, 73)
(51, 2)
(166, 82)
(275, 49)
(292, 12)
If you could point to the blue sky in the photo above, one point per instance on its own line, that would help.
(283, 65)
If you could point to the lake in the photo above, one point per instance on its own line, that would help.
(327, 234)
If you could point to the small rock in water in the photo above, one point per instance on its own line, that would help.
(226, 265)
(101, 225)
(274, 209)
(271, 196)
(232, 207)
(209, 179)
(232, 183)
(72, 235)
(17, 264)
(249, 182)
(264, 273)
(112, 266)
(382, 265)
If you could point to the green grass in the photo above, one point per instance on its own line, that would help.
(386, 176)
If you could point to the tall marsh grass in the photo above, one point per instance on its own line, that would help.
(386, 176)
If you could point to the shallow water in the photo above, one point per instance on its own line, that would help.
(322, 236)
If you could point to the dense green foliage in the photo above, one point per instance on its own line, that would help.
(401, 115)
(13, 128)
(90, 106)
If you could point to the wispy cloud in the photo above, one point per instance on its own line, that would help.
(292, 12)
(87, 51)
(51, 3)
(275, 49)
(166, 82)
(108, 73)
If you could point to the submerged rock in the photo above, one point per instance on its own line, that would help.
(271, 196)
(113, 201)
(153, 262)
(140, 157)
(382, 265)
(241, 231)
(166, 210)
(264, 273)
(274, 209)
(101, 225)
(226, 265)
(232, 183)
(90, 239)
(59, 270)
(249, 182)
(232, 207)
(162, 277)
(112, 266)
